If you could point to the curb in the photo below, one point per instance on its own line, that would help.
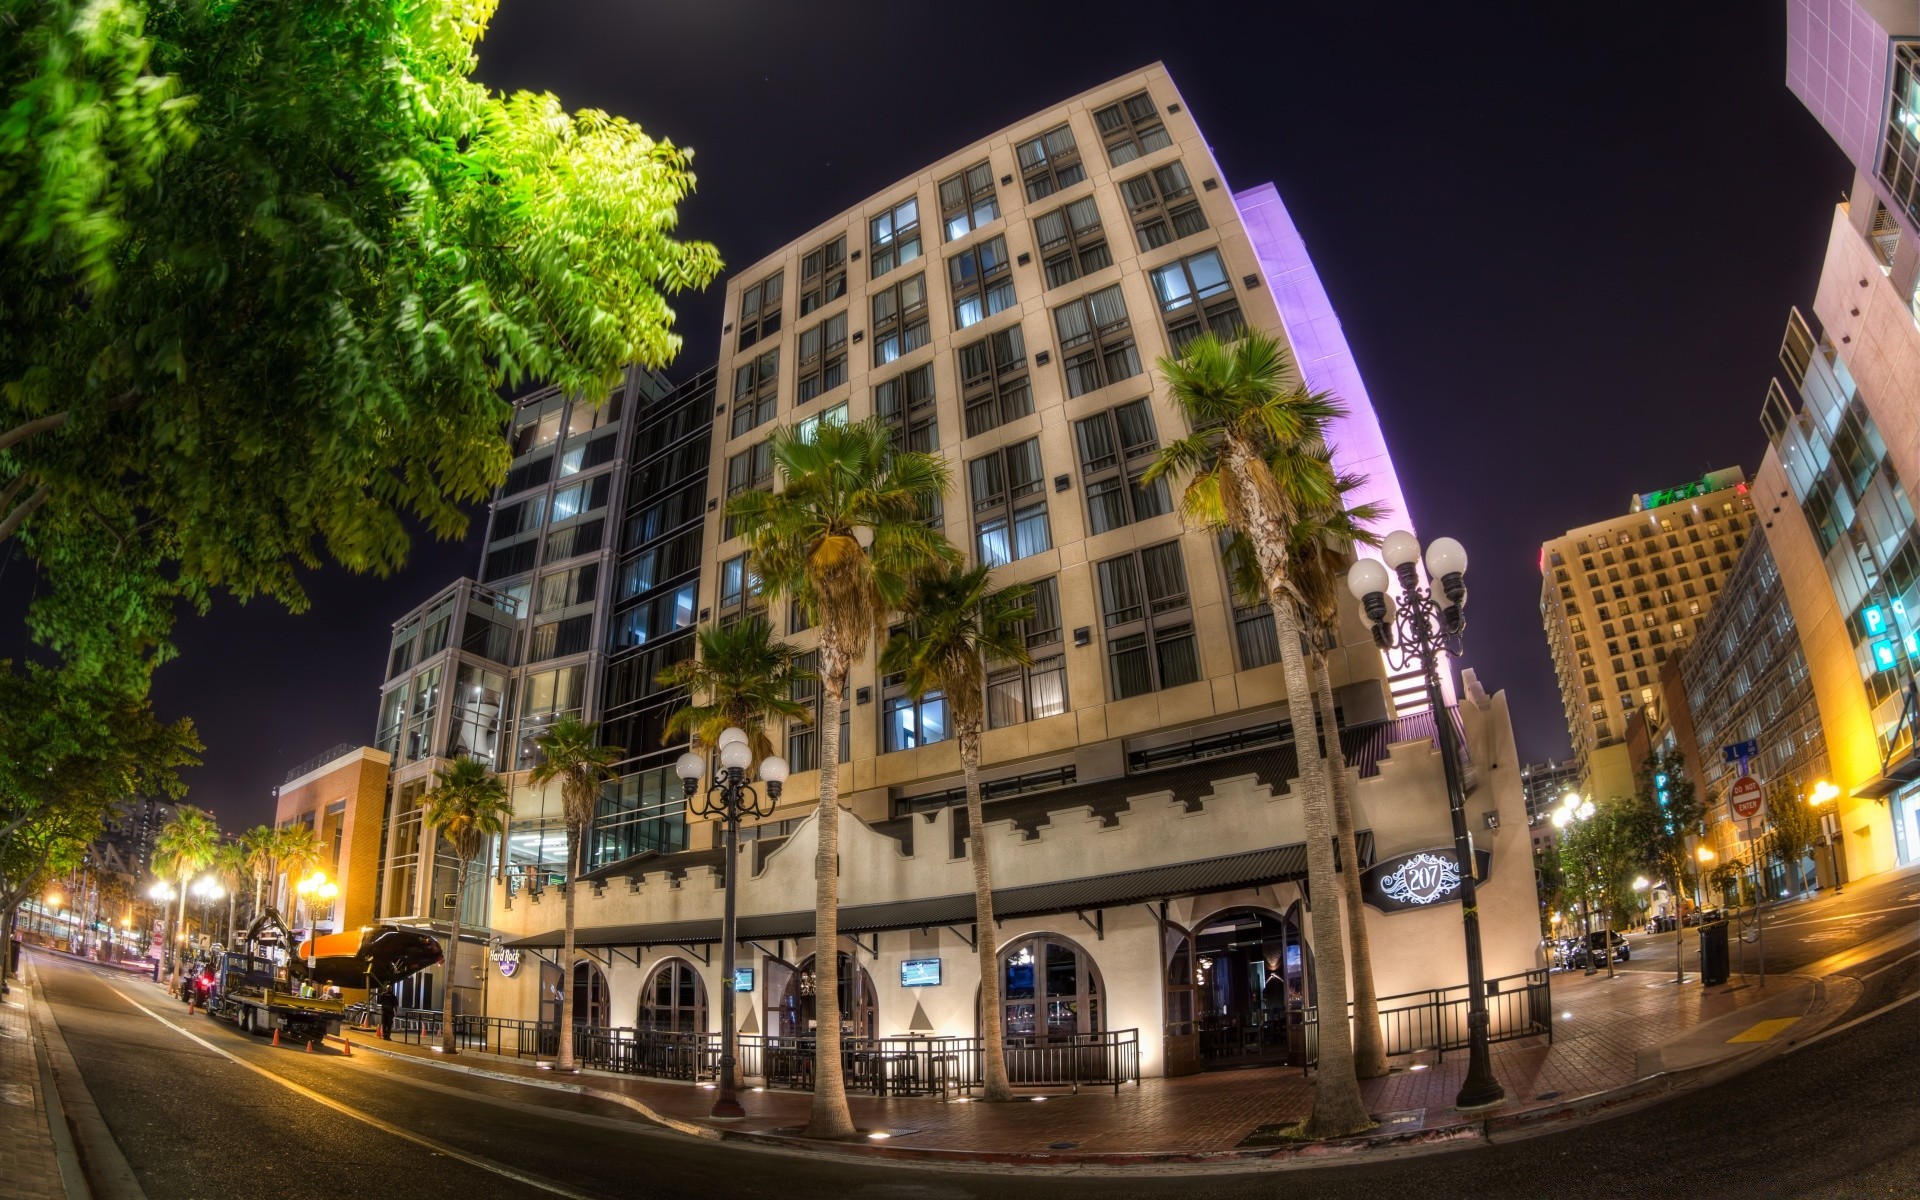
(98, 1161)
(1458, 1135)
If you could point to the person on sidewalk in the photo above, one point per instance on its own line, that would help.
(387, 1003)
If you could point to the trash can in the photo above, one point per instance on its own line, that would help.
(1714, 962)
(13, 956)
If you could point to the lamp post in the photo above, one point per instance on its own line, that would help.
(162, 893)
(1423, 626)
(729, 797)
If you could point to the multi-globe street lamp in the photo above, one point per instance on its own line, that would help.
(729, 797)
(1421, 628)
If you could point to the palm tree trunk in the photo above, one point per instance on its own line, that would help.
(993, 1033)
(179, 933)
(829, 1118)
(448, 1045)
(565, 1062)
(1369, 1049)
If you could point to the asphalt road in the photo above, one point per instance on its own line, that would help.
(217, 1115)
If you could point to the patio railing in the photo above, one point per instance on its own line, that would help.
(1518, 1006)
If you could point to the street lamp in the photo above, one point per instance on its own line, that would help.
(1418, 632)
(1825, 793)
(729, 797)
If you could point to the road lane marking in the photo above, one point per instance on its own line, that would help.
(1890, 966)
(1765, 1031)
(472, 1160)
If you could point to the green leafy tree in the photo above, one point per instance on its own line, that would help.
(1664, 812)
(956, 625)
(571, 753)
(1249, 470)
(1792, 829)
(1599, 857)
(268, 268)
(468, 809)
(844, 537)
(183, 848)
(745, 677)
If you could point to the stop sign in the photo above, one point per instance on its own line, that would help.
(1745, 797)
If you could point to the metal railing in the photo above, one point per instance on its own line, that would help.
(320, 760)
(1518, 1006)
(886, 1066)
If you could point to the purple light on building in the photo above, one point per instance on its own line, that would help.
(1837, 66)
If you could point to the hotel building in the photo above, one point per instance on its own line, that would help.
(1619, 597)
(1004, 308)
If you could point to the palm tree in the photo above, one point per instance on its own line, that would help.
(182, 849)
(297, 847)
(1319, 548)
(230, 866)
(570, 751)
(467, 807)
(844, 538)
(262, 847)
(747, 677)
(957, 625)
(1251, 414)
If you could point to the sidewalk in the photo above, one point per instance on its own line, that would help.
(1615, 1041)
(28, 1167)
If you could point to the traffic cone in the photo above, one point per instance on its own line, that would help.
(309, 1046)
(276, 1035)
(346, 1045)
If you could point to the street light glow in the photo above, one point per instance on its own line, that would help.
(1705, 854)
(1823, 793)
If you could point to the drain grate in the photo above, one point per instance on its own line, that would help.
(1548, 1096)
(1063, 1145)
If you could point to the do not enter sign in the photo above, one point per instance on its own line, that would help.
(1745, 797)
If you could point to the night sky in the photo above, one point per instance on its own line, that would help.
(1534, 229)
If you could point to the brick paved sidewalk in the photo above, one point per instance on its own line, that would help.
(28, 1169)
(1608, 1033)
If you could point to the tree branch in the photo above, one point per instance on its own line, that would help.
(25, 510)
(20, 433)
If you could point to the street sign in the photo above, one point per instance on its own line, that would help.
(1740, 750)
(1745, 797)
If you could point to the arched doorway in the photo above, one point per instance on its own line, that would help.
(797, 1014)
(1050, 990)
(591, 1004)
(675, 998)
(1252, 982)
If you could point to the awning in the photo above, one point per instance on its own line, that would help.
(1895, 775)
(1254, 868)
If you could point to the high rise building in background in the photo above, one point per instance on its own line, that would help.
(1619, 597)
(340, 794)
(1544, 784)
(1003, 308)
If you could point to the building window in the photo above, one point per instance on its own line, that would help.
(751, 468)
(568, 587)
(823, 358)
(895, 240)
(666, 612)
(907, 723)
(1016, 694)
(535, 430)
(556, 639)
(1050, 162)
(1009, 504)
(586, 454)
(823, 275)
(1131, 128)
(1162, 206)
(981, 282)
(760, 310)
(906, 403)
(756, 388)
(1900, 149)
(589, 495)
(967, 201)
(1072, 241)
(993, 381)
(803, 750)
(1116, 448)
(899, 319)
(1196, 297)
(837, 415)
(1096, 341)
(1149, 621)
(583, 538)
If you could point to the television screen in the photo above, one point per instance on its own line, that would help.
(920, 972)
(743, 979)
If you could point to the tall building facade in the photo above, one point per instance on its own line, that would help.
(1843, 430)
(1003, 308)
(1619, 597)
(341, 795)
(1544, 784)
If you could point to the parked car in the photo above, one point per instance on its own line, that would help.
(1594, 948)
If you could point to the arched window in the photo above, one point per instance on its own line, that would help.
(1253, 977)
(675, 998)
(590, 1006)
(797, 1014)
(1050, 990)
